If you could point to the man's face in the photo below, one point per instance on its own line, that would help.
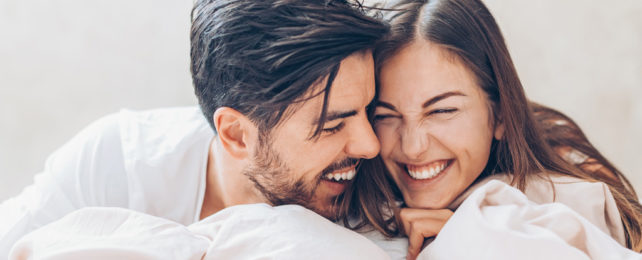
(292, 168)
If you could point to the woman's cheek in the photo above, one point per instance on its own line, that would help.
(386, 138)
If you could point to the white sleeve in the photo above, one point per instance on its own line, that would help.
(86, 171)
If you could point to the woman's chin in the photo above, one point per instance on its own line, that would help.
(424, 201)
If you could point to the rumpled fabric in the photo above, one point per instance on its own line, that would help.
(255, 231)
(498, 221)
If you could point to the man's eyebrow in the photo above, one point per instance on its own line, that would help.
(334, 115)
(437, 98)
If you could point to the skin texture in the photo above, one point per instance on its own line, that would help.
(454, 132)
(419, 224)
(288, 168)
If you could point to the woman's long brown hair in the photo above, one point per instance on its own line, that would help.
(466, 29)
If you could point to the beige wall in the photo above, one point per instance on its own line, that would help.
(583, 57)
(65, 63)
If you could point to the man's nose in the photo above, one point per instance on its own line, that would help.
(414, 142)
(363, 142)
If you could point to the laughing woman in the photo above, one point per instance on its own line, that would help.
(451, 113)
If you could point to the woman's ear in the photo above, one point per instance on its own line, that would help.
(234, 131)
(499, 130)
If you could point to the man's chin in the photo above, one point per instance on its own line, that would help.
(327, 211)
(330, 215)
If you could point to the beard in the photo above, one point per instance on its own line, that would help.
(272, 177)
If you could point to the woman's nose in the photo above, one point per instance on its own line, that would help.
(414, 142)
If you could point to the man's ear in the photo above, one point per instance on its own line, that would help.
(234, 130)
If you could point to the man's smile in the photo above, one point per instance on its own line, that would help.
(341, 175)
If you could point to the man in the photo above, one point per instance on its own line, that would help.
(284, 86)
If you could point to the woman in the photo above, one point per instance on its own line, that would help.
(451, 112)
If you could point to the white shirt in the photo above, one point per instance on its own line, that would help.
(151, 161)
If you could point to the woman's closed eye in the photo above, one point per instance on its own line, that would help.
(443, 111)
(382, 117)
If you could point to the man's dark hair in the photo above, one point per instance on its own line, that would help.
(259, 57)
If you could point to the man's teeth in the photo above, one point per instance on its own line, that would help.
(427, 172)
(341, 176)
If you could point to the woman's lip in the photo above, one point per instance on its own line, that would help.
(404, 165)
(420, 165)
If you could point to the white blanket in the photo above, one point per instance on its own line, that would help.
(497, 221)
(255, 231)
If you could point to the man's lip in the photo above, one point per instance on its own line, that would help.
(353, 167)
(335, 188)
(344, 168)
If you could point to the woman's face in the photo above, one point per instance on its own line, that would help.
(434, 125)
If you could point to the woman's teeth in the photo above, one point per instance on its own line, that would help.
(427, 172)
(341, 176)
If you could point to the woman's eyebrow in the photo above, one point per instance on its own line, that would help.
(439, 97)
(429, 102)
(386, 105)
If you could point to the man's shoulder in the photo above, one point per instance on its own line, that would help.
(163, 153)
(163, 116)
(146, 133)
(152, 133)
(173, 119)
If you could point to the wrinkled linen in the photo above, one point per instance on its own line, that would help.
(497, 221)
(255, 231)
(591, 200)
(492, 220)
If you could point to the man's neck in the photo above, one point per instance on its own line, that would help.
(225, 183)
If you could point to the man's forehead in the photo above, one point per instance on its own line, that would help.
(354, 85)
(352, 89)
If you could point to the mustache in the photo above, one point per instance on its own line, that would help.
(346, 163)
